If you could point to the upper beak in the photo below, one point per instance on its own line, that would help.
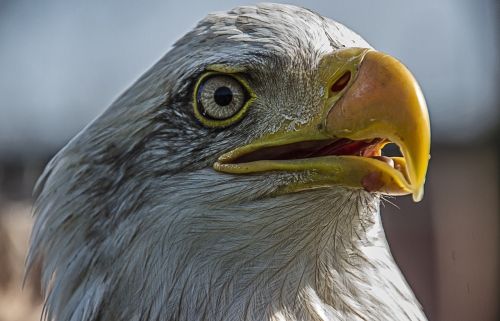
(385, 101)
(381, 103)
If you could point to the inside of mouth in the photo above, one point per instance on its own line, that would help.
(377, 148)
(391, 150)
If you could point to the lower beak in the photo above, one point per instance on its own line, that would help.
(381, 103)
(385, 101)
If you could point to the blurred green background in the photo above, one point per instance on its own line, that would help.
(63, 62)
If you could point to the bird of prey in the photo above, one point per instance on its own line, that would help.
(238, 179)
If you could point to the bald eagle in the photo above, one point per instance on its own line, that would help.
(238, 179)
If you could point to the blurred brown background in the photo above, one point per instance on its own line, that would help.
(61, 63)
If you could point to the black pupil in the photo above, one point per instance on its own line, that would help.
(223, 96)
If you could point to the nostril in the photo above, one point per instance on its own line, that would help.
(341, 82)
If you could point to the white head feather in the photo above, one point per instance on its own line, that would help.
(133, 224)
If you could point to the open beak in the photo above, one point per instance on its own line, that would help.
(373, 100)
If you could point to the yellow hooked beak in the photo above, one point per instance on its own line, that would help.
(372, 100)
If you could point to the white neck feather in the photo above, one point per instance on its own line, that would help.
(213, 250)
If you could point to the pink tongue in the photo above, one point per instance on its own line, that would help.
(348, 147)
(385, 159)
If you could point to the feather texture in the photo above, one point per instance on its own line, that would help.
(133, 224)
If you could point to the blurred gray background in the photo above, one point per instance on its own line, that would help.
(63, 62)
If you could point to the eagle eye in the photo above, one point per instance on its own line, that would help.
(220, 99)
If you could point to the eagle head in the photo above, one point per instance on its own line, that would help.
(238, 179)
